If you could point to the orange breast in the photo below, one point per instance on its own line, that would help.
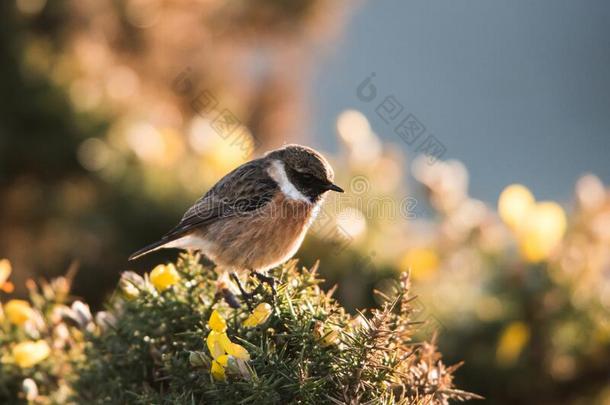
(264, 239)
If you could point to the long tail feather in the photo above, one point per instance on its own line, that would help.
(147, 249)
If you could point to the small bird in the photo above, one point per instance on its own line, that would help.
(255, 217)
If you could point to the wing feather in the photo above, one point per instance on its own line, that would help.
(245, 189)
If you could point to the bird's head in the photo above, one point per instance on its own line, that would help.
(306, 169)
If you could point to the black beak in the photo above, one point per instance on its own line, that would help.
(334, 187)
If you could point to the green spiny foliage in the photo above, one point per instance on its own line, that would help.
(309, 350)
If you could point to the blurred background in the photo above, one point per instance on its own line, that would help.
(116, 115)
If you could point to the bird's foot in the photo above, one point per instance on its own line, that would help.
(266, 280)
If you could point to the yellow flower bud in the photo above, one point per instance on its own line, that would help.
(218, 371)
(18, 311)
(28, 354)
(259, 315)
(197, 359)
(164, 276)
(514, 203)
(217, 322)
(130, 291)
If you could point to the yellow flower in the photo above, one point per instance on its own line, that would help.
(221, 347)
(541, 231)
(259, 315)
(27, 354)
(218, 371)
(238, 351)
(219, 366)
(423, 263)
(216, 322)
(514, 203)
(511, 343)
(223, 360)
(219, 363)
(164, 276)
(5, 272)
(218, 342)
(18, 311)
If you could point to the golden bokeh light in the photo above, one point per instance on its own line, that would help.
(514, 203)
(542, 229)
(422, 262)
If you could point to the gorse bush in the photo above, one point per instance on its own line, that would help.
(170, 337)
(40, 339)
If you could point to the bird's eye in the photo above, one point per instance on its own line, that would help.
(303, 175)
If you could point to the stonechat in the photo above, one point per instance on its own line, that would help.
(255, 217)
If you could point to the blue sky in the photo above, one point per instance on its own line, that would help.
(517, 90)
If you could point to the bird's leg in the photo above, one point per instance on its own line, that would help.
(230, 298)
(247, 296)
(223, 291)
(265, 279)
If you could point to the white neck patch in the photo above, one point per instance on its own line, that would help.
(278, 173)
